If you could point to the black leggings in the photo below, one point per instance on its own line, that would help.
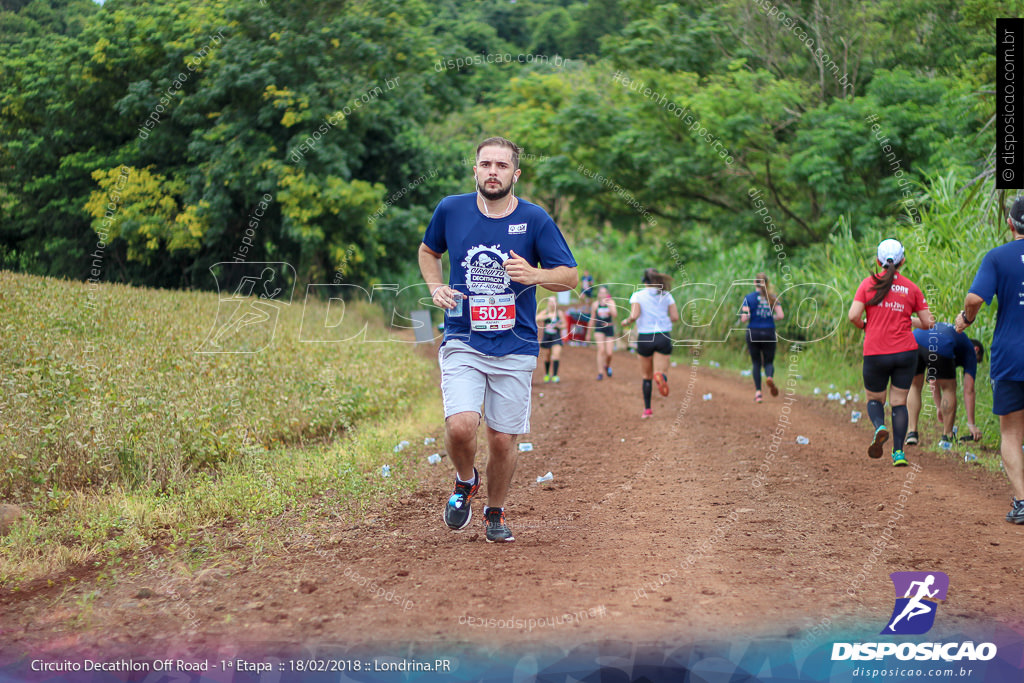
(761, 345)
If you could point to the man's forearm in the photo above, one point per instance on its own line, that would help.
(430, 269)
(558, 279)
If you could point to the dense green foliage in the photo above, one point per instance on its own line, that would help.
(349, 119)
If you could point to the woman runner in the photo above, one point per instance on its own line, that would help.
(654, 310)
(602, 330)
(550, 323)
(761, 308)
(890, 350)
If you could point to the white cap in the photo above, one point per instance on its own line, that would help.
(890, 251)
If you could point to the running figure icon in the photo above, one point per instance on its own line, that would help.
(917, 598)
(916, 607)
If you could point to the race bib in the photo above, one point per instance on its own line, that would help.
(492, 313)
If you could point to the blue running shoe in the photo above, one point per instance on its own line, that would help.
(458, 511)
(898, 459)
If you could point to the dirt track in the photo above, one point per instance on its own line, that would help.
(652, 531)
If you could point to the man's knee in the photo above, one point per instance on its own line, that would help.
(463, 426)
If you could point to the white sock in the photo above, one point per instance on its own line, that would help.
(471, 481)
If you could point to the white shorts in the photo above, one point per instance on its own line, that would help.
(500, 383)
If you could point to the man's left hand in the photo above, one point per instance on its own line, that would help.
(520, 270)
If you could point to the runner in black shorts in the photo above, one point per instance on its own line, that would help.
(890, 350)
(654, 311)
(940, 351)
(550, 323)
(602, 331)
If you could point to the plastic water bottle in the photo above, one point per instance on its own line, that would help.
(842, 401)
(970, 457)
(946, 445)
(434, 459)
(523, 447)
(855, 415)
(385, 471)
(802, 440)
(401, 446)
(831, 386)
(746, 373)
(817, 391)
(429, 440)
(707, 396)
(457, 311)
(546, 477)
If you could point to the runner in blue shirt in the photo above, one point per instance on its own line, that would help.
(760, 309)
(940, 351)
(1001, 275)
(500, 248)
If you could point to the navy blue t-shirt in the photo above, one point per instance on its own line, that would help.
(761, 315)
(1001, 274)
(945, 341)
(478, 246)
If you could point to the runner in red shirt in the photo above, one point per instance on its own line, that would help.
(890, 350)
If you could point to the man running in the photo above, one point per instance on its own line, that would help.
(1001, 275)
(940, 351)
(500, 248)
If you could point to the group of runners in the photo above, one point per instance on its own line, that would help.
(502, 248)
(904, 346)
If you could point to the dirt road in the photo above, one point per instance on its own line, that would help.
(690, 527)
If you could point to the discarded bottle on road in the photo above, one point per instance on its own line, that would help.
(523, 447)
(946, 445)
(434, 459)
(385, 471)
(802, 440)
(855, 415)
(546, 477)
(707, 396)
(970, 457)
(429, 440)
(817, 390)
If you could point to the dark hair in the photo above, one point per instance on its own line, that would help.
(979, 350)
(653, 278)
(1017, 214)
(883, 284)
(501, 142)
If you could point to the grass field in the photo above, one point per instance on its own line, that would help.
(114, 431)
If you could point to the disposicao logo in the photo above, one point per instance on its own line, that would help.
(914, 612)
(917, 598)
